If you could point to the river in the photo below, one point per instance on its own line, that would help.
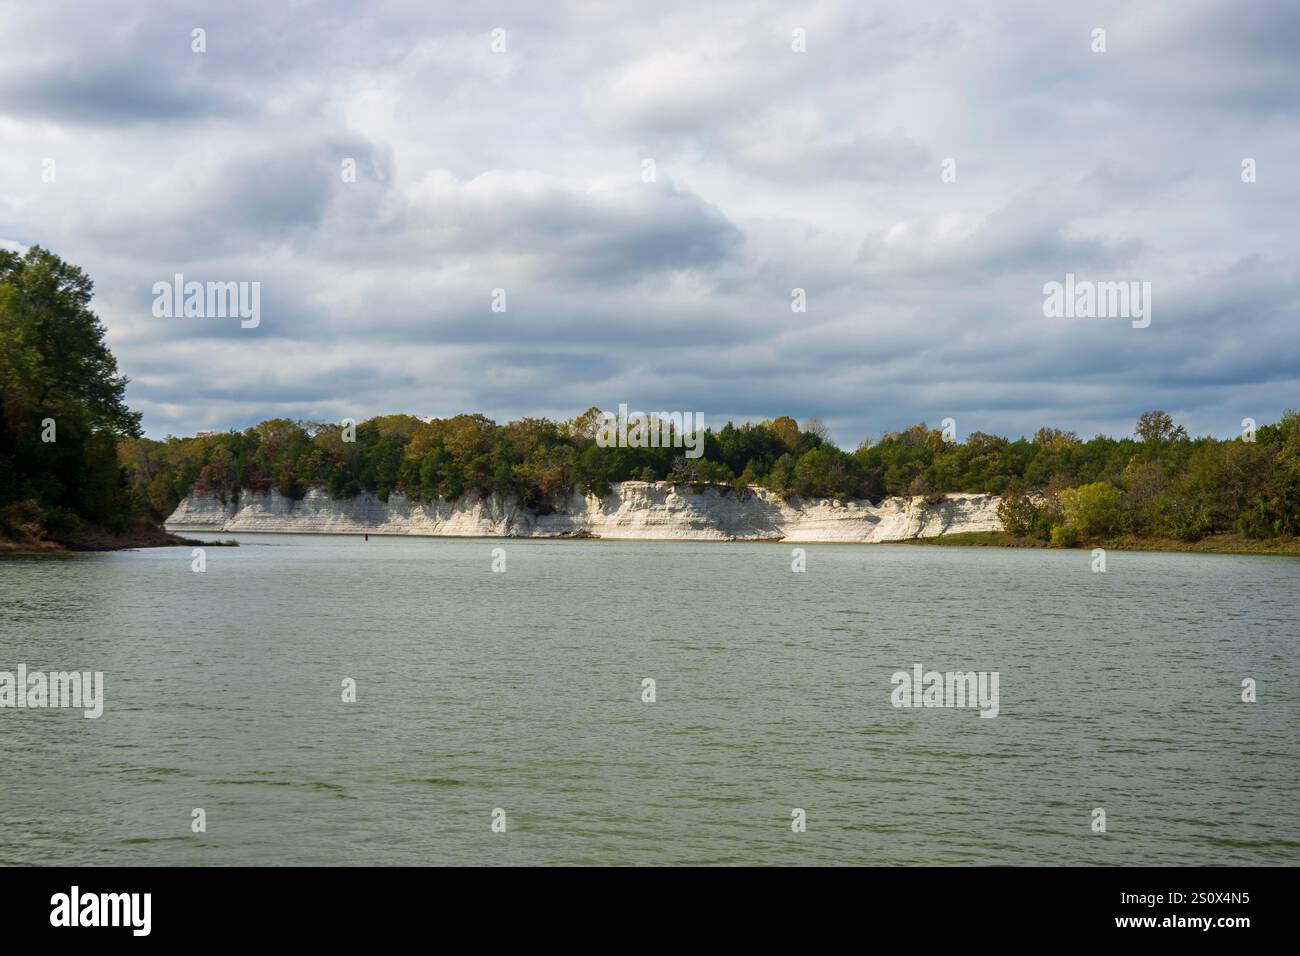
(517, 696)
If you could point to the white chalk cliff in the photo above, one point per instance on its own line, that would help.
(633, 509)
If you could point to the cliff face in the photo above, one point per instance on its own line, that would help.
(633, 509)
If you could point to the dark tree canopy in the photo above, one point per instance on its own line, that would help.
(62, 409)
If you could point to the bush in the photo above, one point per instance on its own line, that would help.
(1256, 522)
(1090, 510)
(1184, 517)
(22, 520)
(1017, 514)
(1064, 536)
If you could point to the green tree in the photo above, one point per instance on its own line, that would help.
(59, 381)
(1158, 427)
(1017, 513)
(1090, 510)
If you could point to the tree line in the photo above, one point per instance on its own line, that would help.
(1054, 486)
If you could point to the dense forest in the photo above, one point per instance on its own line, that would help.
(73, 463)
(1055, 486)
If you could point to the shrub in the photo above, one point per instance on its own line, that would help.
(1064, 536)
(1017, 514)
(1090, 510)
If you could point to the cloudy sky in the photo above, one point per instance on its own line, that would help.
(525, 170)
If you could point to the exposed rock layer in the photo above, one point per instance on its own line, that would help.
(633, 509)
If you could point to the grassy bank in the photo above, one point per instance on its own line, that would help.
(1211, 544)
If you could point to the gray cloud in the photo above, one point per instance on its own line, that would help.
(775, 170)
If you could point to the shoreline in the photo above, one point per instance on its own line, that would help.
(98, 542)
(1214, 544)
(1211, 544)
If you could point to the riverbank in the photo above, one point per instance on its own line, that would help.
(143, 536)
(632, 510)
(1212, 544)
(649, 511)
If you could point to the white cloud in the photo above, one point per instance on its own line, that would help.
(775, 170)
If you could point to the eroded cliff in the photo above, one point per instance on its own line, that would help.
(632, 509)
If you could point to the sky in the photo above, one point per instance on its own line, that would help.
(648, 185)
